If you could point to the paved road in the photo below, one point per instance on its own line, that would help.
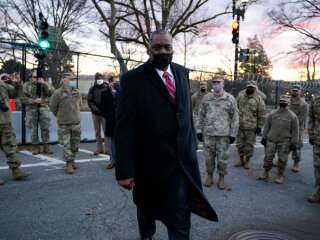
(54, 205)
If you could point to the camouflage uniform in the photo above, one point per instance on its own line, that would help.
(218, 120)
(252, 112)
(300, 108)
(8, 140)
(29, 94)
(197, 98)
(280, 141)
(65, 105)
(314, 135)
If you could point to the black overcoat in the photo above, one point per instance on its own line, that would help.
(155, 142)
(108, 109)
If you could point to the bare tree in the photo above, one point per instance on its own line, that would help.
(301, 16)
(132, 21)
(20, 23)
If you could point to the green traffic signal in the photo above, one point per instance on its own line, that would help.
(44, 44)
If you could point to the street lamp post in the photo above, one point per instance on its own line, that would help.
(238, 12)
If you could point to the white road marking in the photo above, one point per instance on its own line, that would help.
(50, 161)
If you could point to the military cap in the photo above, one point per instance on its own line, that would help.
(296, 87)
(285, 98)
(69, 75)
(251, 84)
(217, 79)
(203, 84)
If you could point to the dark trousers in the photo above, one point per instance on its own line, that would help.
(181, 230)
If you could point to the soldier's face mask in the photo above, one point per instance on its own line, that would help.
(217, 87)
(294, 94)
(283, 104)
(34, 74)
(203, 89)
(72, 84)
(250, 91)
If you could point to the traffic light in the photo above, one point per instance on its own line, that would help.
(235, 32)
(43, 33)
(244, 55)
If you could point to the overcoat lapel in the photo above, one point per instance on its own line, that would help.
(157, 81)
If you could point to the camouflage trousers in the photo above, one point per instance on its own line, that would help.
(316, 160)
(44, 122)
(246, 140)
(296, 155)
(216, 146)
(9, 144)
(283, 149)
(69, 138)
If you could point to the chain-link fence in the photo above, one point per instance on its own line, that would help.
(60, 59)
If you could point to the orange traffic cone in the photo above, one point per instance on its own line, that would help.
(13, 105)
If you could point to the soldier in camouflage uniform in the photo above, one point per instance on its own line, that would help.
(314, 139)
(196, 100)
(8, 140)
(33, 102)
(65, 104)
(218, 123)
(300, 108)
(252, 112)
(280, 134)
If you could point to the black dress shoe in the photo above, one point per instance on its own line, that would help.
(147, 238)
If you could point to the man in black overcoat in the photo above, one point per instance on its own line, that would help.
(156, 145)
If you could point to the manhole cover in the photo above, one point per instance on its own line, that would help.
(260, 235)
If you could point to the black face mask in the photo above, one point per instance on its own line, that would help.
(202, 90)
(250, 91)
(283, 105)
(294, 94)
(116, 86)
(162, 60)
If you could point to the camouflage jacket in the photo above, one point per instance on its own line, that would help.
(281, 125)
(196, 100)
(8, 92)
(29, 94)
(314, 119)
(252, 111)
(65, 105)
(301, 109)
(218, 115)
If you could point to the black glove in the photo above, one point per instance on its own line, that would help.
(258, 130)
(232, 139)
(311, 141)
(264, 141)
(199, 136)
(293, 147)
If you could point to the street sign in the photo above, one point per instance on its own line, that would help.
(54, 34)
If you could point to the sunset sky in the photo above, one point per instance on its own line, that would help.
(210, 56)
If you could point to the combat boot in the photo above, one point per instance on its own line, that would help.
(74, 165)
(295, 167)
(315, 197)
(19, 174)
(247, 163)
(240, 163)
(1, 182)
(209, 181)
(36, 149)
(46, 149)
(221, 184)
(280, 178)
(70, 169)
(275, 164)
(264, 176)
